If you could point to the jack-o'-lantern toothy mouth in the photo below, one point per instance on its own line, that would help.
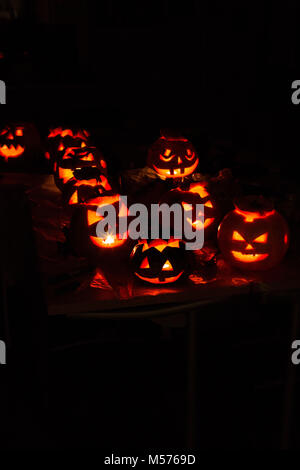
(11, 151)
(160, 280)
(110, 241)
(248, 257)
(176, 172)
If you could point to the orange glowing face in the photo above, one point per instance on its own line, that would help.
(158, 261)
(250, 250)
(110, 237)
(173, 157)
(83, 190)
(253, 240)
(60, 139)
(12, 142)
(76, 166)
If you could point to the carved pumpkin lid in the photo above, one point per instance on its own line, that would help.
(172, 134)
(254, 204)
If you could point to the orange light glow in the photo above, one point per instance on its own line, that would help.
(190, 155)
(187, 207)
(92, 182)
(64, 132)
(167, 266)
(166, 158)
(88, 158)
(178, 172)
(199, 188)
(145, 264)
(74, 198)
(19, 132)
(156, 280)
(11, 151)
(93, 217)
(109, 241)
(198, 223)
(262, 238)
(237, 236)
(251, 216)
(248, 258)
(286, 238)
(160, 245)
(65, 174)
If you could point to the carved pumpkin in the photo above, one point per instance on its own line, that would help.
(59, 139)
(254, 236)
(82, 190)
(19, 144)
(78, 165)
(158, 261)
(84, 233)
(188, 196)
(172, 157)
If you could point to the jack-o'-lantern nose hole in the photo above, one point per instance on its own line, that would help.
(167, 266)
(10, 136)
(145, 264)
(179, 161)
(249, 247)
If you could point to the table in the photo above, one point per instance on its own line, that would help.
(114, 299)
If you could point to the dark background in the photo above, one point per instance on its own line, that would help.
(222, 73)
(225, 69)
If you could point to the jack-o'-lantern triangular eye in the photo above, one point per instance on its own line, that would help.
(145, 263)
(237, 236)
(262, 238)
(167, 266)
(208, 204)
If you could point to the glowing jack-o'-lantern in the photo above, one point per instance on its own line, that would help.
(82, 190)
(254, 236)
(78, 165)
(172, 157)
(19, 144)
(85, 235)
(158, 261)
(60, 139)
(188, 197)
(10, 143)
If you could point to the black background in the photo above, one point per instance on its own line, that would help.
(221, 72)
